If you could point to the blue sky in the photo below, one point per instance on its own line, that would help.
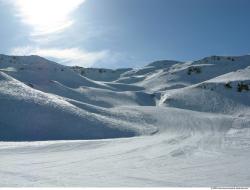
(124, 33)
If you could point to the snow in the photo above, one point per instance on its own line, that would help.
(169, 123)
(144, 161)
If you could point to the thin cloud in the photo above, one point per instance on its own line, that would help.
(70, 57)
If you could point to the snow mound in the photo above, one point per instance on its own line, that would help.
(29, 114)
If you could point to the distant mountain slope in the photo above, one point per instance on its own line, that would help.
(184, 74)
(37, 71)
(100, 74)
(228, 93)
(43, 100)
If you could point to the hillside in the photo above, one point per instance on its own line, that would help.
(188, 118)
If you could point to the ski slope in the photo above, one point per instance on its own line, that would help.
(169, 123)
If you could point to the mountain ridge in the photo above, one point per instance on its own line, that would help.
(115, 99)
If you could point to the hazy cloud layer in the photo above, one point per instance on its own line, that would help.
(71, 56)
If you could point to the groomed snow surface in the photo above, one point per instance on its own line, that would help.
(169, 123)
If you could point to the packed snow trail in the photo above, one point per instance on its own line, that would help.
(160, 160)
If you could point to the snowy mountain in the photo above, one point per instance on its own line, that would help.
(152, 126)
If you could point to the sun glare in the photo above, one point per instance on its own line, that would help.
(47, 16)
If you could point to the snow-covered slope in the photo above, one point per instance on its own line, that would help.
(181, 123)
(228, 93)
(28, 114)
(100, 74)
(164, 75)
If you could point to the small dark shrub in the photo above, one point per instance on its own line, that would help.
(31, 85)
(230, 59)
(242, 86)
(228, 85)
(82, 72)
(152, 95)
(203, 86)
(197, 69)
(194, 70)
